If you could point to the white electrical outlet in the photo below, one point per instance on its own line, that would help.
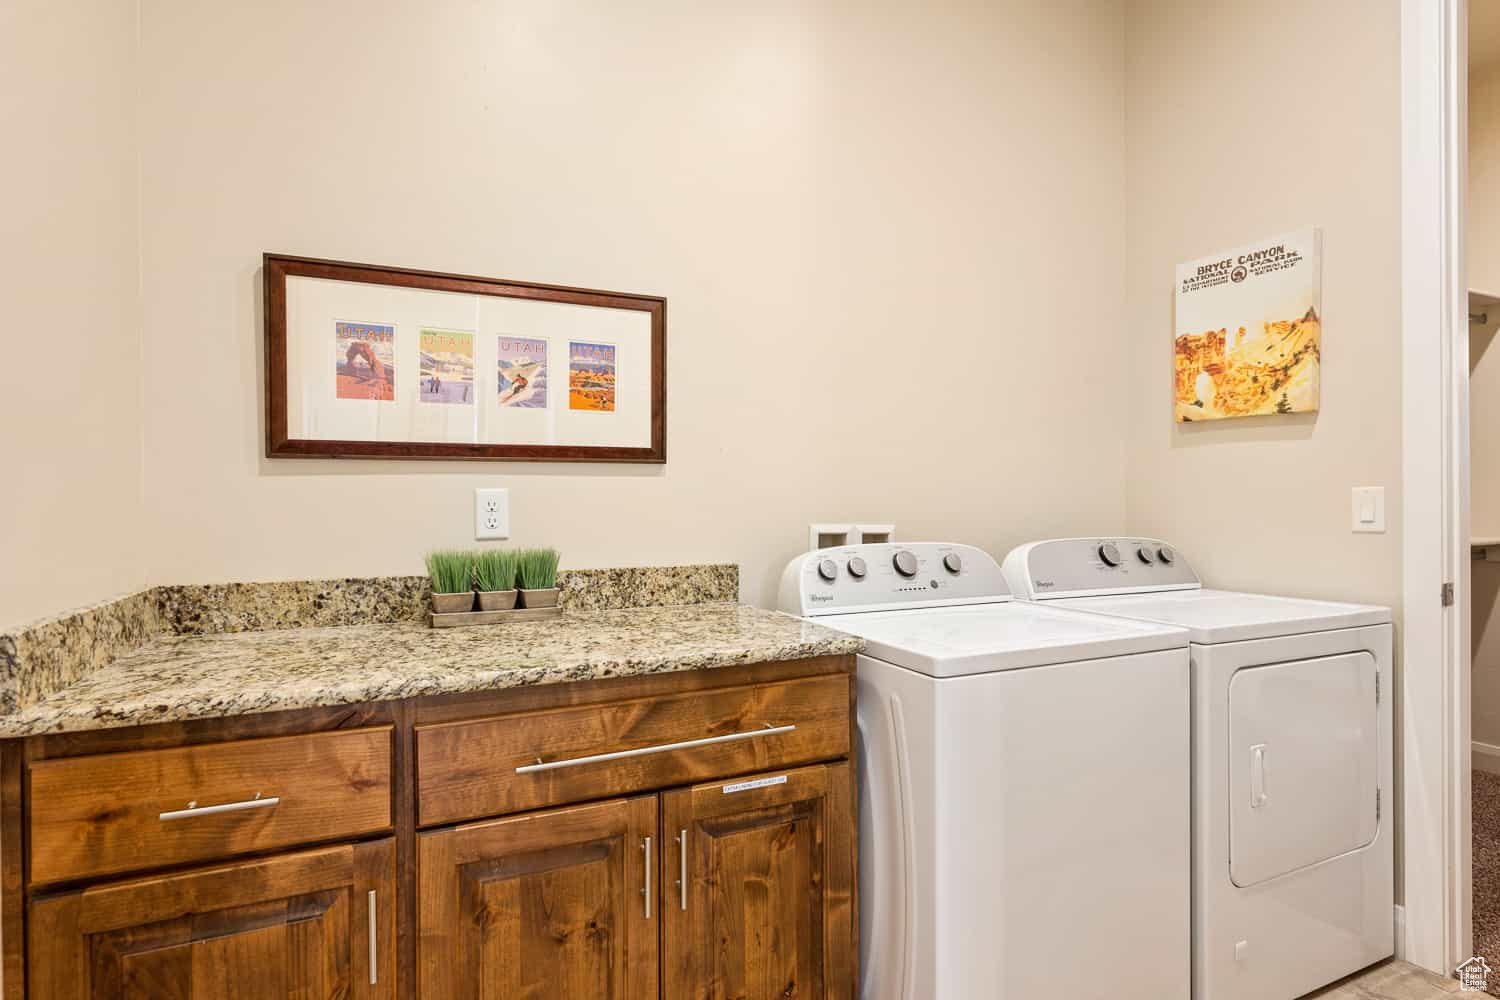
(492, 513)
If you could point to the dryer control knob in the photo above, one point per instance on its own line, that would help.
(1146, 554)
(905, 563)
(952, 563)
(857, 568)
(1109, 554)
(1165, 554)
(828, 570)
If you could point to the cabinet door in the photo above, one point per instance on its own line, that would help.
(768, 906)
(316, 925)
(556, 905)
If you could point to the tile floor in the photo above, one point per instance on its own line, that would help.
(1392, 981)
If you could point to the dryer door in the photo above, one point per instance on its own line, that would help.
(1304, 764)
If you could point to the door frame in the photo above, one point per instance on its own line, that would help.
(1434, 643)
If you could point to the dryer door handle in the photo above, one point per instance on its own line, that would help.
(1258, 796)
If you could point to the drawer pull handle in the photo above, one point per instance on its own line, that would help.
(194, 809)
(599, 758)
(646, 888)
(682, 879)
(374, 948)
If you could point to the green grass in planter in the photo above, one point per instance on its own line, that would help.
(495, 569)
(537, 568)
(451, 572)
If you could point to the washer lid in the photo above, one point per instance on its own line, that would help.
(1226, 616)
(986, 638)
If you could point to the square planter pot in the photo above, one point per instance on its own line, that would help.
(497, 600)
(542, 598)
(447, 604)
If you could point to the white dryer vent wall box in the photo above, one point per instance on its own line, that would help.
(833, 535)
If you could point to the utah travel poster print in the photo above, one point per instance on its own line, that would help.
(522, 372)
(591, 376)
(1248, 332)
(447, 374)
(364, 361)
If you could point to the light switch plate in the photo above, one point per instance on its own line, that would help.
(492, 513)
(1367, 509)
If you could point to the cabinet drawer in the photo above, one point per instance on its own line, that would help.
(510, 763)
(153, 808)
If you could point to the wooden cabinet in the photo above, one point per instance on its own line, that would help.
(119, 812)
(574, 902)
(530, 760)
(524, 843)
(317, 925)
(760, 902)
(557, 904)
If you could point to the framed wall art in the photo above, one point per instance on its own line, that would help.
(1249, 331)
(386, 362)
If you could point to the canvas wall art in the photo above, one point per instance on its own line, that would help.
(429, 365)
(1249, 330)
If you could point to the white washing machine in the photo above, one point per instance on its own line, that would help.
(1292, 811)
(1024, 783)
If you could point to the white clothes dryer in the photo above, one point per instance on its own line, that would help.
(1293, 877)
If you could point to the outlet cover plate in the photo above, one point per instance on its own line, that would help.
(1367, 513)
(491, 513)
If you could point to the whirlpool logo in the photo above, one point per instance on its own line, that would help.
(821, 598)
(1043, 584)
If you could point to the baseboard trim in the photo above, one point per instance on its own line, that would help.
(1486, 757)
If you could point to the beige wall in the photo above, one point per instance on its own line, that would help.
(1245, 121)
(70, 373)
(1484, 397)
(890, 278)
(891, 245)
(1484, 186)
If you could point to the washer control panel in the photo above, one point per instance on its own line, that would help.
(1079, 567)
(889, 577)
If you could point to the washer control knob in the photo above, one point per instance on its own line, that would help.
(1146, 554)
(952, 563)
(1165, 554)
(1110, 554)
(857, 567)
(828, 570)
(905, 563)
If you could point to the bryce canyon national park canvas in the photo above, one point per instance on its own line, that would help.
(1249, 332)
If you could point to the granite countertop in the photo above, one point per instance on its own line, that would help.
(179, 677)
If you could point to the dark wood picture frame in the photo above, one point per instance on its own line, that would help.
(279, 444)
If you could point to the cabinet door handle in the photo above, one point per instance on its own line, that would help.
(646, 889)
(194, 809)
(682, 879)
(749, 734)
(374, 949)
(1258, 796)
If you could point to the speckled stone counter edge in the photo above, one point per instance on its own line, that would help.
(47, 656)
(51, 654)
